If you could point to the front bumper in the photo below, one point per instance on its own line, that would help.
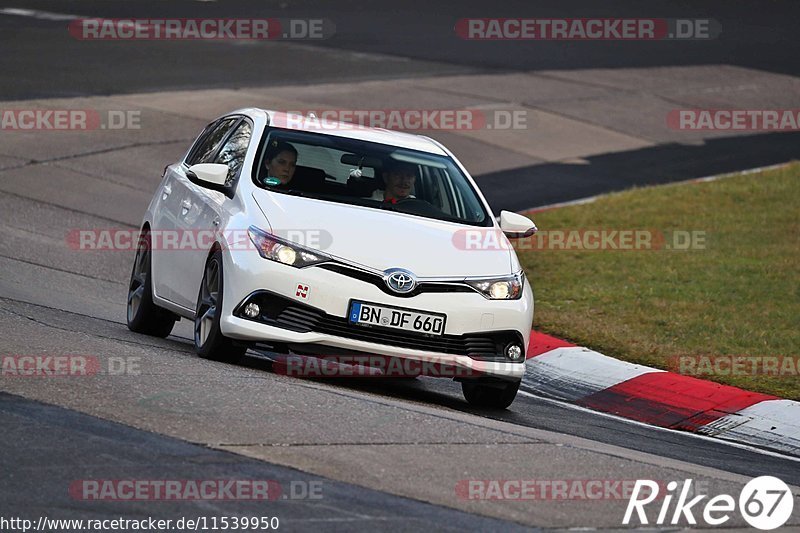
(242, 329)
(471, 319)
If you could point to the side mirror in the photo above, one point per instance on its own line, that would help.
(516, 226)
(206, 174)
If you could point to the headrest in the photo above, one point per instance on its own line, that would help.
(308, 179)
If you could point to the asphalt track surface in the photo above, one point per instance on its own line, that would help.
(115, 427)
(391, 40)
(418, 35)
(125, 452)
(251, 410)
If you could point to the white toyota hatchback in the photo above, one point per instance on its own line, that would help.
(304, 237)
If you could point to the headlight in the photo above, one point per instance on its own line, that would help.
(505, 288)
(276, 249)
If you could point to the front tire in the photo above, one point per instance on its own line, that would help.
(492, 396)
(209, 342)
(144, 316)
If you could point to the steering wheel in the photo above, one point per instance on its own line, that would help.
(417, 206)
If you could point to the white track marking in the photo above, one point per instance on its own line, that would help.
(34, 13)
(657, 428)
(773, 423)
(572, 373)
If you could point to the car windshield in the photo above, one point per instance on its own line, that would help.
(374, 175)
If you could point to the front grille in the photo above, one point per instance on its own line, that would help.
(288, 314)
(298, 318)
(374, 279)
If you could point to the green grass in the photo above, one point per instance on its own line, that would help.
(740, 295)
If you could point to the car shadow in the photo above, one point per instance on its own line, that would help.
(441, 392)
(548, 183)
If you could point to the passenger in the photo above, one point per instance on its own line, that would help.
(398, 178)
(281, 162)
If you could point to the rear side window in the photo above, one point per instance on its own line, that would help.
(210, 141)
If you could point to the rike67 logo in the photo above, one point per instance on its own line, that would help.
(765, 503)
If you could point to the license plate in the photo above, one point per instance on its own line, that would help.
(367, 314)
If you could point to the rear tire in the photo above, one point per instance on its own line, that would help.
(209, 342)
(492, 396)
(144, 316)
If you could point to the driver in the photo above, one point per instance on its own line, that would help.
(399, 178)
(281, 162)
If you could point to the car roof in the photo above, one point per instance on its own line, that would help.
(292, 121)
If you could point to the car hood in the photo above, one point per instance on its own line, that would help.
(381, 239)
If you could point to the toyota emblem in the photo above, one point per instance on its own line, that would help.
(400, 281)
